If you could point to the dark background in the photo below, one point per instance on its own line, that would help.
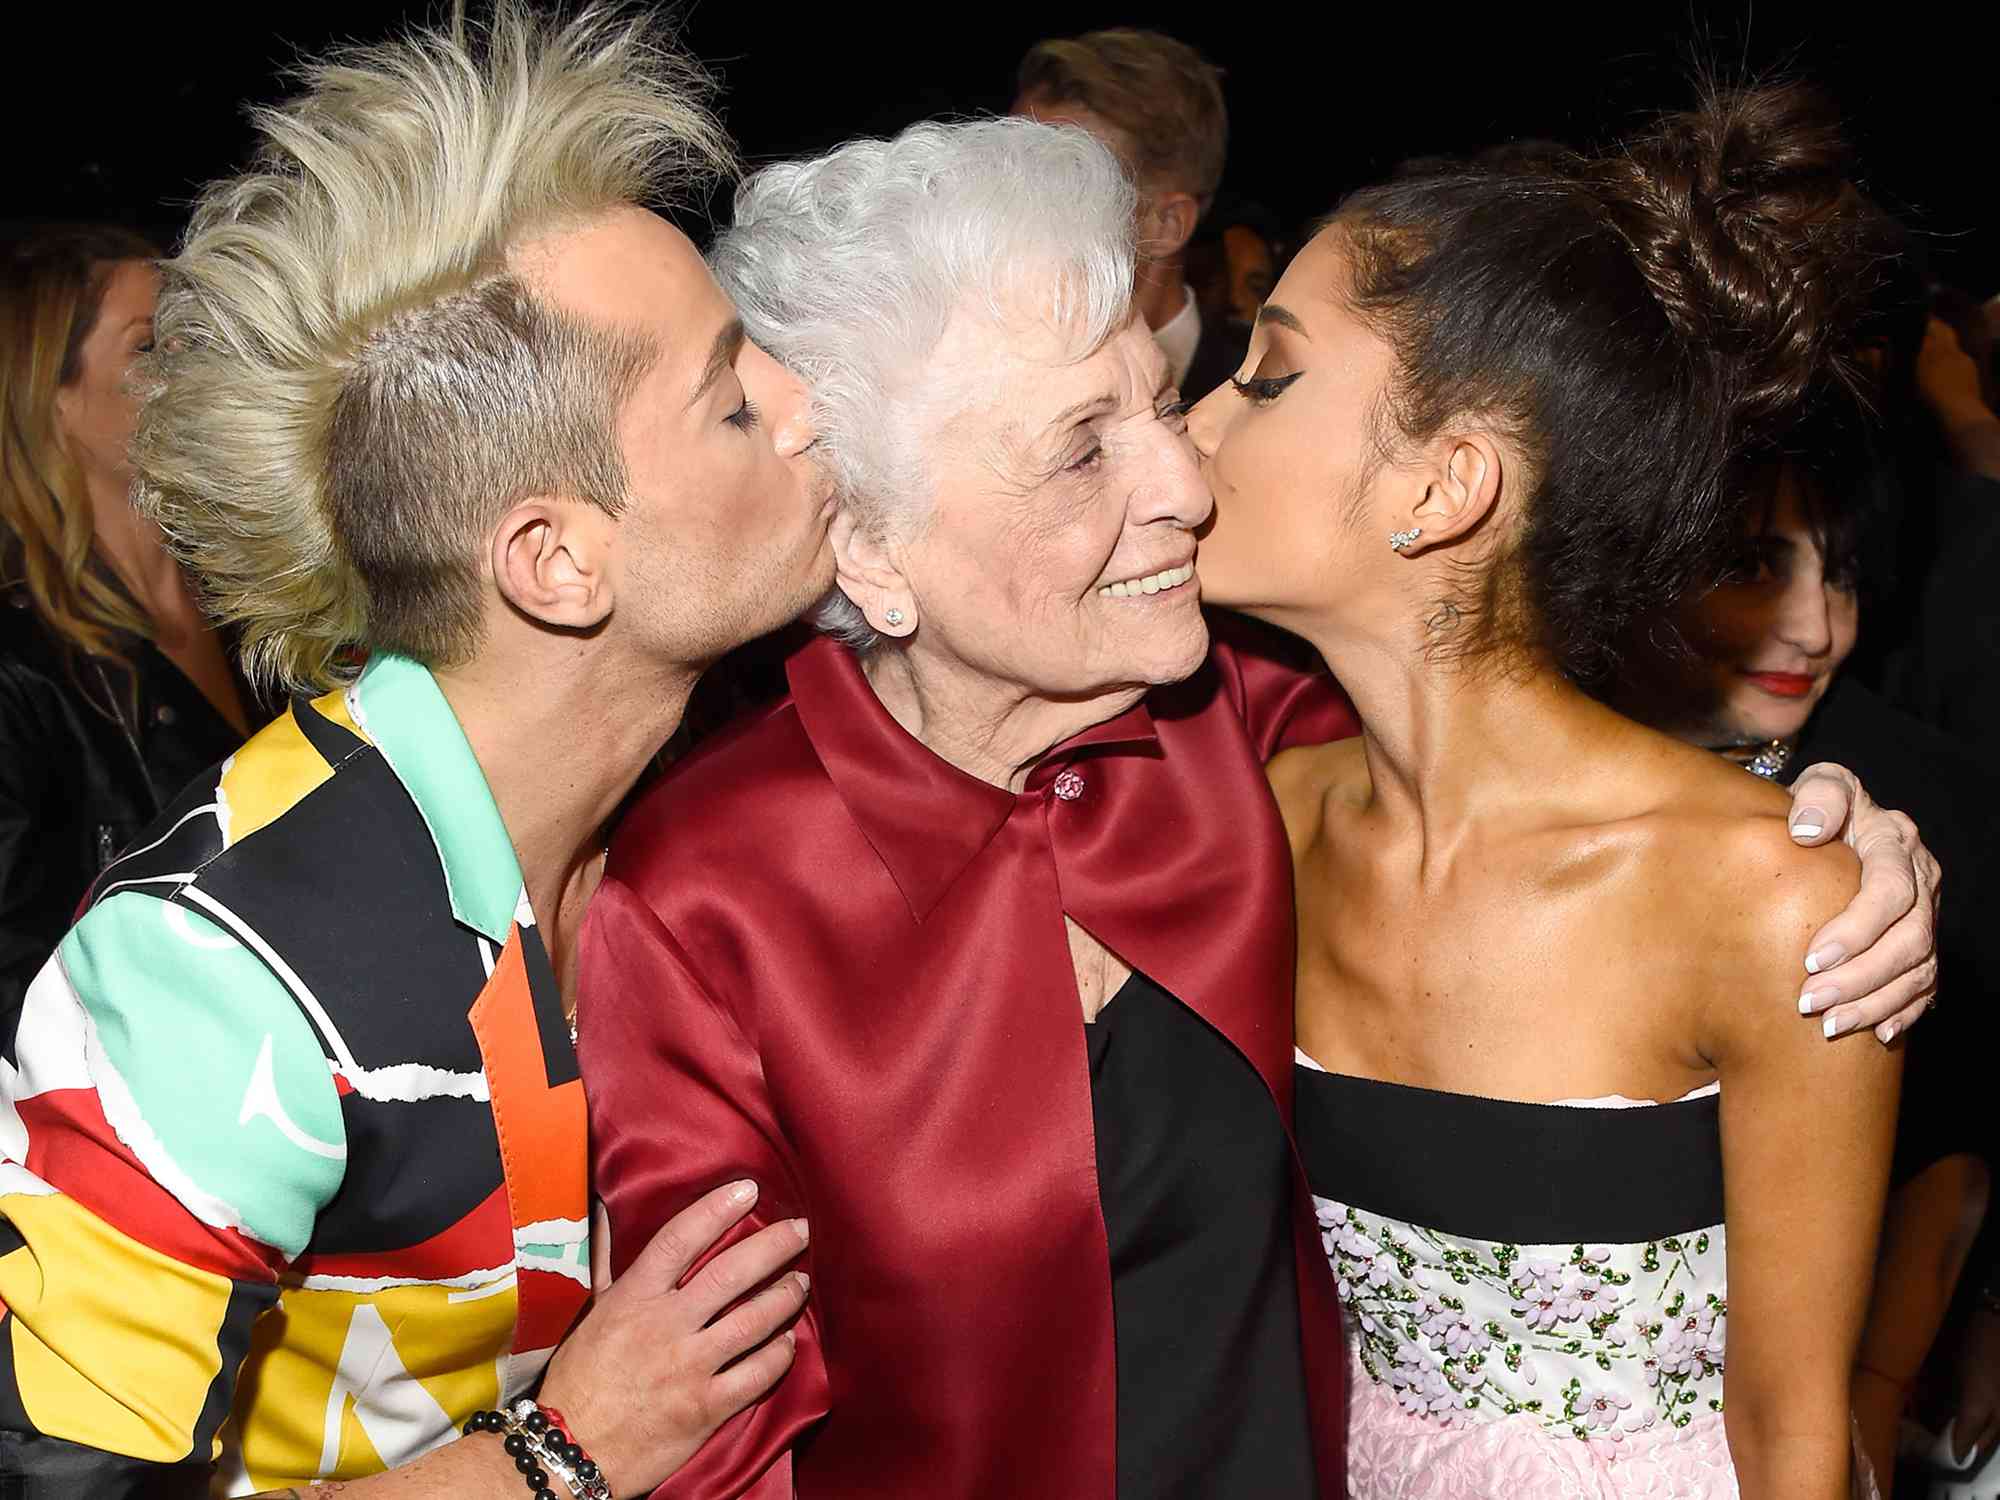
(122, 113)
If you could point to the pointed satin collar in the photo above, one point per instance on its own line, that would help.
(399, 706)
(926, 819)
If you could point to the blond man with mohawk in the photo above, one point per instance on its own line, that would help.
(471, 450)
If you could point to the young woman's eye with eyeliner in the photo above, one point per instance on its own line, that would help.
(744, 417)
(1261, 389)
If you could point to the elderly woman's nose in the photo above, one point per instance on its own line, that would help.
(1175, 490)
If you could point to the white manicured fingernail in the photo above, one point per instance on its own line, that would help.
(1821, 959)
(1808, 823)
(1831, 1029)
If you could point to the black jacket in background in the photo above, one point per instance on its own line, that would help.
(1947, 671)
(81, 773)
(1954, 796)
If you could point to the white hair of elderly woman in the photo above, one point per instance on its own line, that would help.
(849, 267)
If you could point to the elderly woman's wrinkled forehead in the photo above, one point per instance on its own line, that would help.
(1011, 382)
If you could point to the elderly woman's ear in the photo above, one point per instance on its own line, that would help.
(869, 573)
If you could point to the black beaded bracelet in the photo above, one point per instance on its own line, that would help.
(542, 1452)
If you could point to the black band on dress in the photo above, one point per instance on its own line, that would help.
(1513, 1173)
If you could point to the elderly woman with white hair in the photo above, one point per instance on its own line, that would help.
(978, 947)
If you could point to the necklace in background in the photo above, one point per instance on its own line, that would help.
(1765, 758)
(1770, 760)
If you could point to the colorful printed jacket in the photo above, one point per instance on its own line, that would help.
(291, 1133)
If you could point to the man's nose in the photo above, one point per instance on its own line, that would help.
(784, 396)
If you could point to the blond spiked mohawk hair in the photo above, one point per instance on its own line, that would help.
(350, 384)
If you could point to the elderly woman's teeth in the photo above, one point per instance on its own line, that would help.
(1152, 583)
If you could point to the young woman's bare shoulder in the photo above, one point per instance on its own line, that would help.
(1728, 831)
(1759, 898)
(1736, 828)
(1786, 888)
(1720, 857)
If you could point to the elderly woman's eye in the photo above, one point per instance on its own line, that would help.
(1175, 411)
(1087, 462)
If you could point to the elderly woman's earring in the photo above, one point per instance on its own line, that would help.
(894, 617)
(1399, 541)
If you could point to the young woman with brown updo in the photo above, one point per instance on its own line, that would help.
(1603, 1218)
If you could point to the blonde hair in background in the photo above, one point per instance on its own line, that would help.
(349, 384)
(51, 289)
(1164, 96)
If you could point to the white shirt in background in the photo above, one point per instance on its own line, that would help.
(1180, 336)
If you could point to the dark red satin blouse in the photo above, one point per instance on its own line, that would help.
(825, 959)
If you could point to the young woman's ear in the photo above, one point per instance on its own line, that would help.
(1461, 487)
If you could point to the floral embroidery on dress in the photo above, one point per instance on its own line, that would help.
(1593, 1341)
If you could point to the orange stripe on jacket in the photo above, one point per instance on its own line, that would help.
(543, 1132)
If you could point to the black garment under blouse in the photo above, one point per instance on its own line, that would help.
(1194, 1175)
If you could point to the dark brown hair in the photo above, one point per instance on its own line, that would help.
(1647, 325)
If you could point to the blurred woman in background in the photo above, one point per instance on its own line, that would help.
(113, 688)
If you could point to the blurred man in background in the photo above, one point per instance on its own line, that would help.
(1157, 103)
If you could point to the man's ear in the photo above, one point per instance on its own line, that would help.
(1461, 487)
(554, 561)
(866, 570)
(1167, 224)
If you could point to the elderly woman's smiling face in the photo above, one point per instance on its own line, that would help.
(1057, 556)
